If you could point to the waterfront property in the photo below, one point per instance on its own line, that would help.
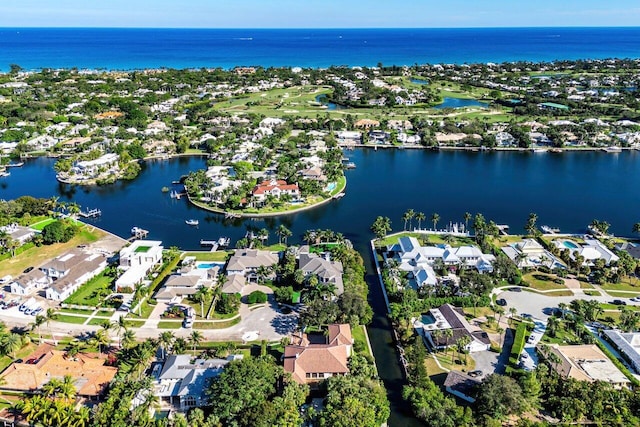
(187, 281)
(314, 357)
(137, 260)
(431, 327)
(530, 253)
(586, 363)
(274, 188)
(248, 262)
(89, 170)
(29, 282)
(326, 270)
(419, 260)
(590, 251)
(461, 385)
(18, 233)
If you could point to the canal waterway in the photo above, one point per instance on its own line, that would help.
(566, 190)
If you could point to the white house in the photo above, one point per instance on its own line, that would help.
(29, 282)
(431, 326)
(91, 168)
(71, 270)
(247, 262)
(137, 260)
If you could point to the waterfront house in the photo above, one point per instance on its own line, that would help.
(247, 262)
(530, 253)
(327, 271)
(632, 249)
(349, 137)
(275, 188)
(586, 363)
(19, 233)
(88, 169)
(137, 260)
(313, 173)
(447, 317)
(461, 385)
(314, 357)
(90, 375)
(181, 383)
(591, 250)
(234, 284)
(178, 286)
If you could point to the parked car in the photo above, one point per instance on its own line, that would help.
(618, 302)
(28, 269)
(501, 302)
(515, 289)
(476, 373)
(188, 322)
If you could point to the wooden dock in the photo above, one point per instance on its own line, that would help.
(138, 233)
(90, 213)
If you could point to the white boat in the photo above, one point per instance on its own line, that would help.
(550, 230)
(612, 149)
(192, 222)
(5, 173)
(538, 150)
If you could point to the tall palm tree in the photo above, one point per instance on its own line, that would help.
(128, 338)
(381, 226)
(199, 297)
(434, 219)
(100, 338)
(636, 228)
(283, 233)
(195, 338)
(263, 235)
(405, 219)
(166, 340)
(12, 343)
(420, 216)
(49, 316)
(467, 218)
(120, 326)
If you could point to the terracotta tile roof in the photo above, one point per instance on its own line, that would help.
(89, 374)
(268, 186)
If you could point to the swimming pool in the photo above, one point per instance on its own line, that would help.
(428, 319)
(569, 244)
(331, 186)
(208, 265)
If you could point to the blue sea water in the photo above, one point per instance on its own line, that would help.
(110, 48)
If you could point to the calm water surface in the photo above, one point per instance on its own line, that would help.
(566, 190)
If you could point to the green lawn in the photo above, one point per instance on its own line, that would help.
(216, 325)
(75, 311)
(145, 311)
(218, 256)
(360, 340)
(78, 320)
(36, 256)
(42, 224)
(626, 285)
(89, 293)
(169, 324)
(541, 281)
(97, 321)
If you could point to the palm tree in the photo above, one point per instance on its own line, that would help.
(411, 213)
(552, 326)
(120, 326)
(263, 235)
(309, 236)
(195, 338)
(128, 338)
(636, 228)
(530, 227)
(381, 226)
(49, 316)
(39, 321)
(166, 339)
(100, 338)
(405, 219)
(563, 309)
(467, 218)
(434, 219)
(447, 333)
(420, 216)
(199, 297)
(500, 330)
(12, 343)
(283, 233)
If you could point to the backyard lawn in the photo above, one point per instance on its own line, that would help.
(542, 282)
(93, 292)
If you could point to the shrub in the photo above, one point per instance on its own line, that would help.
(256, 297)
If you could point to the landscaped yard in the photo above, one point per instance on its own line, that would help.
(93, 292)
(458, 361)
(78, 320)
(542, 282)
(216, 325)
(219, 256)
(627, 285)
(360, 340)
(37, 256)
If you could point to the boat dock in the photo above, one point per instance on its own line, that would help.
(90, 213)
(138, 233)
(14, 165)
(175, 195)
(230, 215)
(222, 242)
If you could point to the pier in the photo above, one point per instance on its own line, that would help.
(222, 242)
(90, 213)
(138, 233)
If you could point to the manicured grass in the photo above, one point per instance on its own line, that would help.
(20, 354)
(563, 336)
(97, 321)
(105, 313)
(42, 224)
(340, 185)
(37, 256)
(542, 282)
(432, 366)
(425, 239)
(167, 324)
(592, 293)
(360, 340)
(458, 361)
(145, 311)
(559, 293)
(134, 323)
(88, 294)
(75, 311)
(626, 285)
(621, 294)
(216, 325)
(218, 256)
(78, 320)
(506, 240)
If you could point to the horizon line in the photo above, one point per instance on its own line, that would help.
(321, 28)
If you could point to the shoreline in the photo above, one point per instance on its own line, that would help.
(553, 150)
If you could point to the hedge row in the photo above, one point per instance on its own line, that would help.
(518, 345)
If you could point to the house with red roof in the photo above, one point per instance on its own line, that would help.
(275, 188)
(314, 358)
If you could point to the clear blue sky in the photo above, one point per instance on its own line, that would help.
(317, 13)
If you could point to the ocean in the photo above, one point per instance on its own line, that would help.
(125, 49)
